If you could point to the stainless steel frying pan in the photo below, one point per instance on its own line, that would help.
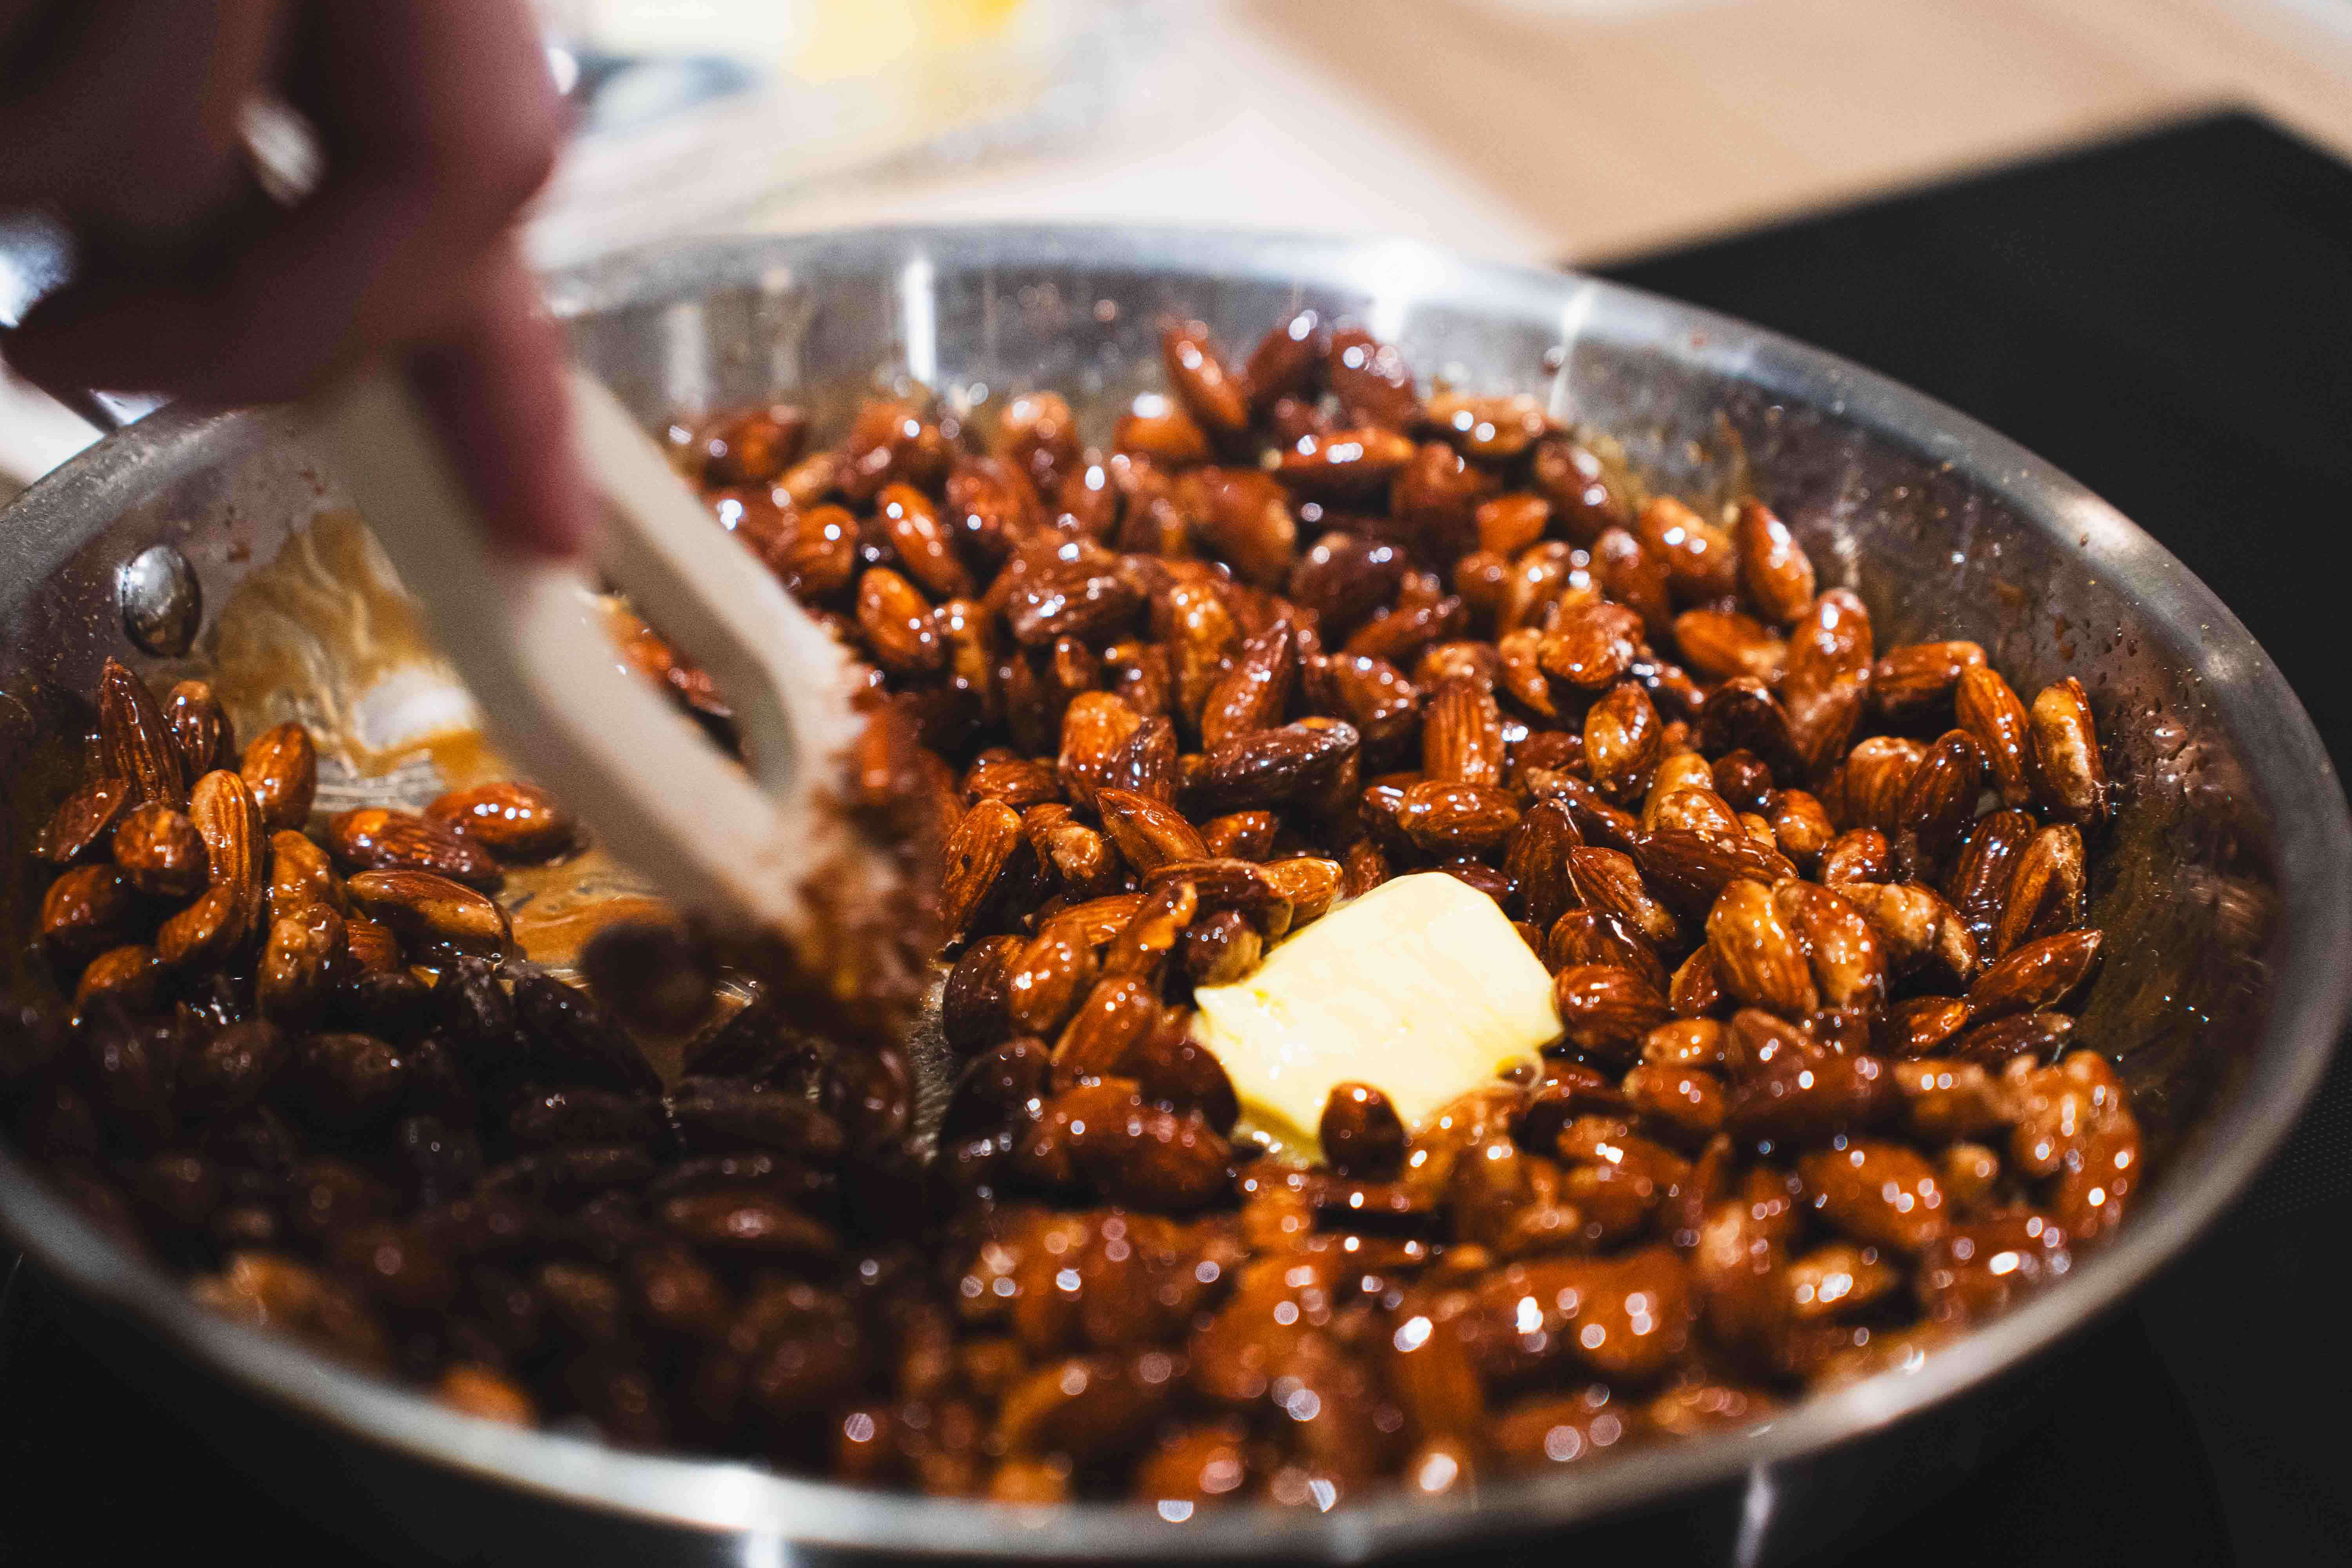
(2228, 899)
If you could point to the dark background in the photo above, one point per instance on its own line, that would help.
(2168, 318)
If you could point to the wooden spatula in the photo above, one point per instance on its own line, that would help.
(770, 850)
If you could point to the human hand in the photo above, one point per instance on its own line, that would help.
(438, 120)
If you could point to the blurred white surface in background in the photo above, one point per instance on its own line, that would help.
(1526, 130)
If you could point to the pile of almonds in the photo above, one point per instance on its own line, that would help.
(1814, 911)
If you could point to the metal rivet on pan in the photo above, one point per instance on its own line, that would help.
(162, 603)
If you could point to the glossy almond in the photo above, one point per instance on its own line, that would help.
(376, 839)
(1880, 1193)
(84, 820)
(131, 974)
(1606, 1010)
(1700, 554)
(199, 727)
(419, 906)
(135, 741)
(1940, 799)
(2045, 890)
(1775, 573)
(302, 962)
(1251, 694)
(301, 874)
(1536, 860)
(161, 853)
(1610, 882)
(1991, 711)
(1311, 882)
(86, 910)
(1622, 738)
(900, 627)
(2069, 777)
(1848, 965)
(1722, 644)
(1977, 881)
(513, 820)
(1923, 935)
(1462, 734)
(1272, 767)
(2039, 974)
(281, 768)
(228, 816)
(1592, 646)
(1243, 516)
(1457, 818)
(1916, 681)
(975, 855)
(1760, 958)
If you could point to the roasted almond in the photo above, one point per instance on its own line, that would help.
(133, 976)
(1241, 836)
(135, 741)
(1111, 1023)
(281, 768)
(87, 910)
(1457, 818)
(300, 875)
(900, 626)
(1760, 958)
(1849, 967)
(1149, 833)
(1584, 936)
(161, 853)
(421, 906)
(226, 812)
(1607, 1011)
(1251, 694)
(1723, 644)
(1940, 801)
(302, 964)
(1800, 827)
(1296, 762)
(377, 839)
(1492, 429)
(1864, 855)
(1591, 645)
(2041, 974)
(2069, 777)
(2045, 890)
(1462, 734)
(199, 727)
(1700, 559)
(1988, 710)
(1610, 882)
(1535, 861)
(1774, 570)
(1045, 986)
(1978, 883)
(1868, 790)
(1922, 932)
(1690, 870)
(1914, 682)
(204, 933)
(513, 820)
(1371, 379)
(1311, 883)
(975, 855)
(1624, 737)
(372, 945)
(84, 820)
(1244, 516)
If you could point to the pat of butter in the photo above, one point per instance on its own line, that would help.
(1420, 988)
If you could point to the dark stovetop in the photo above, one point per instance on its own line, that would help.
(2168, 318)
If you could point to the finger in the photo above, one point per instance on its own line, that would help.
(125, 114)
(441, 122)
(496, 389)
